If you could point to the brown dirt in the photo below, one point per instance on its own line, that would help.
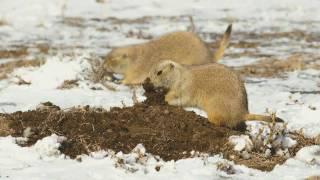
(167, 131)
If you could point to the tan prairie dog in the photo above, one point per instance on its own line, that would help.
(212, 87)
(135, 61)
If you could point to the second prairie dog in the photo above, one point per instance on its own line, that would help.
(212, 87)
(135, 61)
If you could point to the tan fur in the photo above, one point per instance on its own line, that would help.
(212, 87)
(223, 44)
(316, 177)
(186, 48)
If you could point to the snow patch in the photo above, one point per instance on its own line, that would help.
(49, 146)
(310, 155)
(242, 142)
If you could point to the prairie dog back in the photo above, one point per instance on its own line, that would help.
(187, 48)
(182, 47)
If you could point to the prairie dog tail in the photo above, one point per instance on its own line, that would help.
(223, 44)
(254, 117)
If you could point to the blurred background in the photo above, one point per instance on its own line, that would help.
(262, 28)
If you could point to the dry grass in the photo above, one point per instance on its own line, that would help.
(22, 81)
(14, 53)
(69, 84)
(271, 67)
(3, 22)
(43, 48)
(259, 160)
(74, 21)
(266, 150)
(5, 130)
(317, 139)
(226, 167)
(9, 67)
(98, 75)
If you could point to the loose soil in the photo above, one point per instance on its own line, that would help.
(167, 131)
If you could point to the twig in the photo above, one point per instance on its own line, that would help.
(134, 96)
(192, 27)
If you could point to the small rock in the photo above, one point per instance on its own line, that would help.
(158, 168)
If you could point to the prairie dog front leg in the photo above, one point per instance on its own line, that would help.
(174, 99)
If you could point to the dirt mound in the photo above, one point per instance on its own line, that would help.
(164, 130)
(167, 131)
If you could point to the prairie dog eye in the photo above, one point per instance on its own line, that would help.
(124, 56)
(159, 73)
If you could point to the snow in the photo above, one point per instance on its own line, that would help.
(32, 22)
(47, 78)
(294, 108)
(39, 164)
(310, 155)
(49, 146)
(242, 142)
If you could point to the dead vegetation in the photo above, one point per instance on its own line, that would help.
(266, 160)
(139, 35)
(3, 22)
(272, 145)
(14, 53)
(97, 74)
(272, 67)
(21, 81)
(317, 139)
(5, 130)
(226, 167)
(9, 67)
(69, 84)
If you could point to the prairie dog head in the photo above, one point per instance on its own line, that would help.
(166, 74)
(118, 60)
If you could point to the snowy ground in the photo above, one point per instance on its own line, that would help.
(76, 31)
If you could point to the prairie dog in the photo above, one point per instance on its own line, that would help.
(135, 61)
(212, 87)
